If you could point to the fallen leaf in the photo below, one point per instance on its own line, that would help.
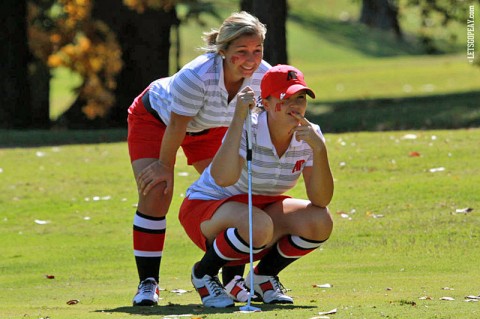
(180, 291)
(408, 302)
(73, 302)
(472, 297)
(323, 286)
(50, 276)
(370, 214)
(98, 198)
(447, 298)
(330, 312)
(414, 154)
(41, 222)
(426, 298)
(409, 137)
(344, 215)
(465, 210)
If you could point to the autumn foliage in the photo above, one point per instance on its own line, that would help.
(62, 33)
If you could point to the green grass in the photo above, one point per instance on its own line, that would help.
(379, 267)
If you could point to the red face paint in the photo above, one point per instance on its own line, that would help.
(278, 107)
(234, 59)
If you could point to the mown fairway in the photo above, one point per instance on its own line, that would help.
(67, 212)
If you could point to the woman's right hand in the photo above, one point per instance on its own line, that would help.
(154, 174)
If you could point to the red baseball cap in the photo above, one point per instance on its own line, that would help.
(283, 81)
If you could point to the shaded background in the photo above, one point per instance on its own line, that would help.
(376, 64)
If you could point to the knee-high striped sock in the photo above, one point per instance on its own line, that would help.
(227, 246)
(148, 241)
(288, 249)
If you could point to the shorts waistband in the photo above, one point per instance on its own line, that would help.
(148, 107)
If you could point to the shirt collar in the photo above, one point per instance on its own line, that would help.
(219, 64)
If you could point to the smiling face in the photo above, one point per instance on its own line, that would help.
(243, 57)
(279, 111)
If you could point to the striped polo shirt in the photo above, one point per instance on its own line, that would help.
(198, 90)
(271, 175)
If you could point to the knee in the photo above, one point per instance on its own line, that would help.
(155, 203)
(262, 230)
(321, 225)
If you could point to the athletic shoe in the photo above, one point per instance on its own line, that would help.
(236, 289)
(211, 291)
(147, 294)
(269, 289)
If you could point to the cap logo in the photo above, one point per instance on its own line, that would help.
(291, 75)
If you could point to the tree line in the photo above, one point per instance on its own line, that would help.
(119, 46)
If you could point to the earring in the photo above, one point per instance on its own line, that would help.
(223, 57)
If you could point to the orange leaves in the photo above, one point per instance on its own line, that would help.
(77, 10)
(85, 46)
(141, 5)
(54, 61)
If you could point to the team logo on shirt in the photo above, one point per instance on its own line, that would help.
(298, 166)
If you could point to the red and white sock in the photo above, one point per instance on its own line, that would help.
(148, 242)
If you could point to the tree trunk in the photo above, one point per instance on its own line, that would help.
(145, 43)
(39, 78)
(273, 13)
(15, 106)
(381, 14)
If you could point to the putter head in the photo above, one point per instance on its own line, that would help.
(249, 308)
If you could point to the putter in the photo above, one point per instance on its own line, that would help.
(248, 307)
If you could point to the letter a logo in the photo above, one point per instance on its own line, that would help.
(291, 75)
(298, 166)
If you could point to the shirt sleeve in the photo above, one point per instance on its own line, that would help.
(188, 92)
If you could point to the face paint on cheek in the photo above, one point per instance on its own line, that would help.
(278, 107)
(234, 59)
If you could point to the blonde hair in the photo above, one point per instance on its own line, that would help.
(233, 27)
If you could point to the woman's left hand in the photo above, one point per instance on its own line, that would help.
(306, 132)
